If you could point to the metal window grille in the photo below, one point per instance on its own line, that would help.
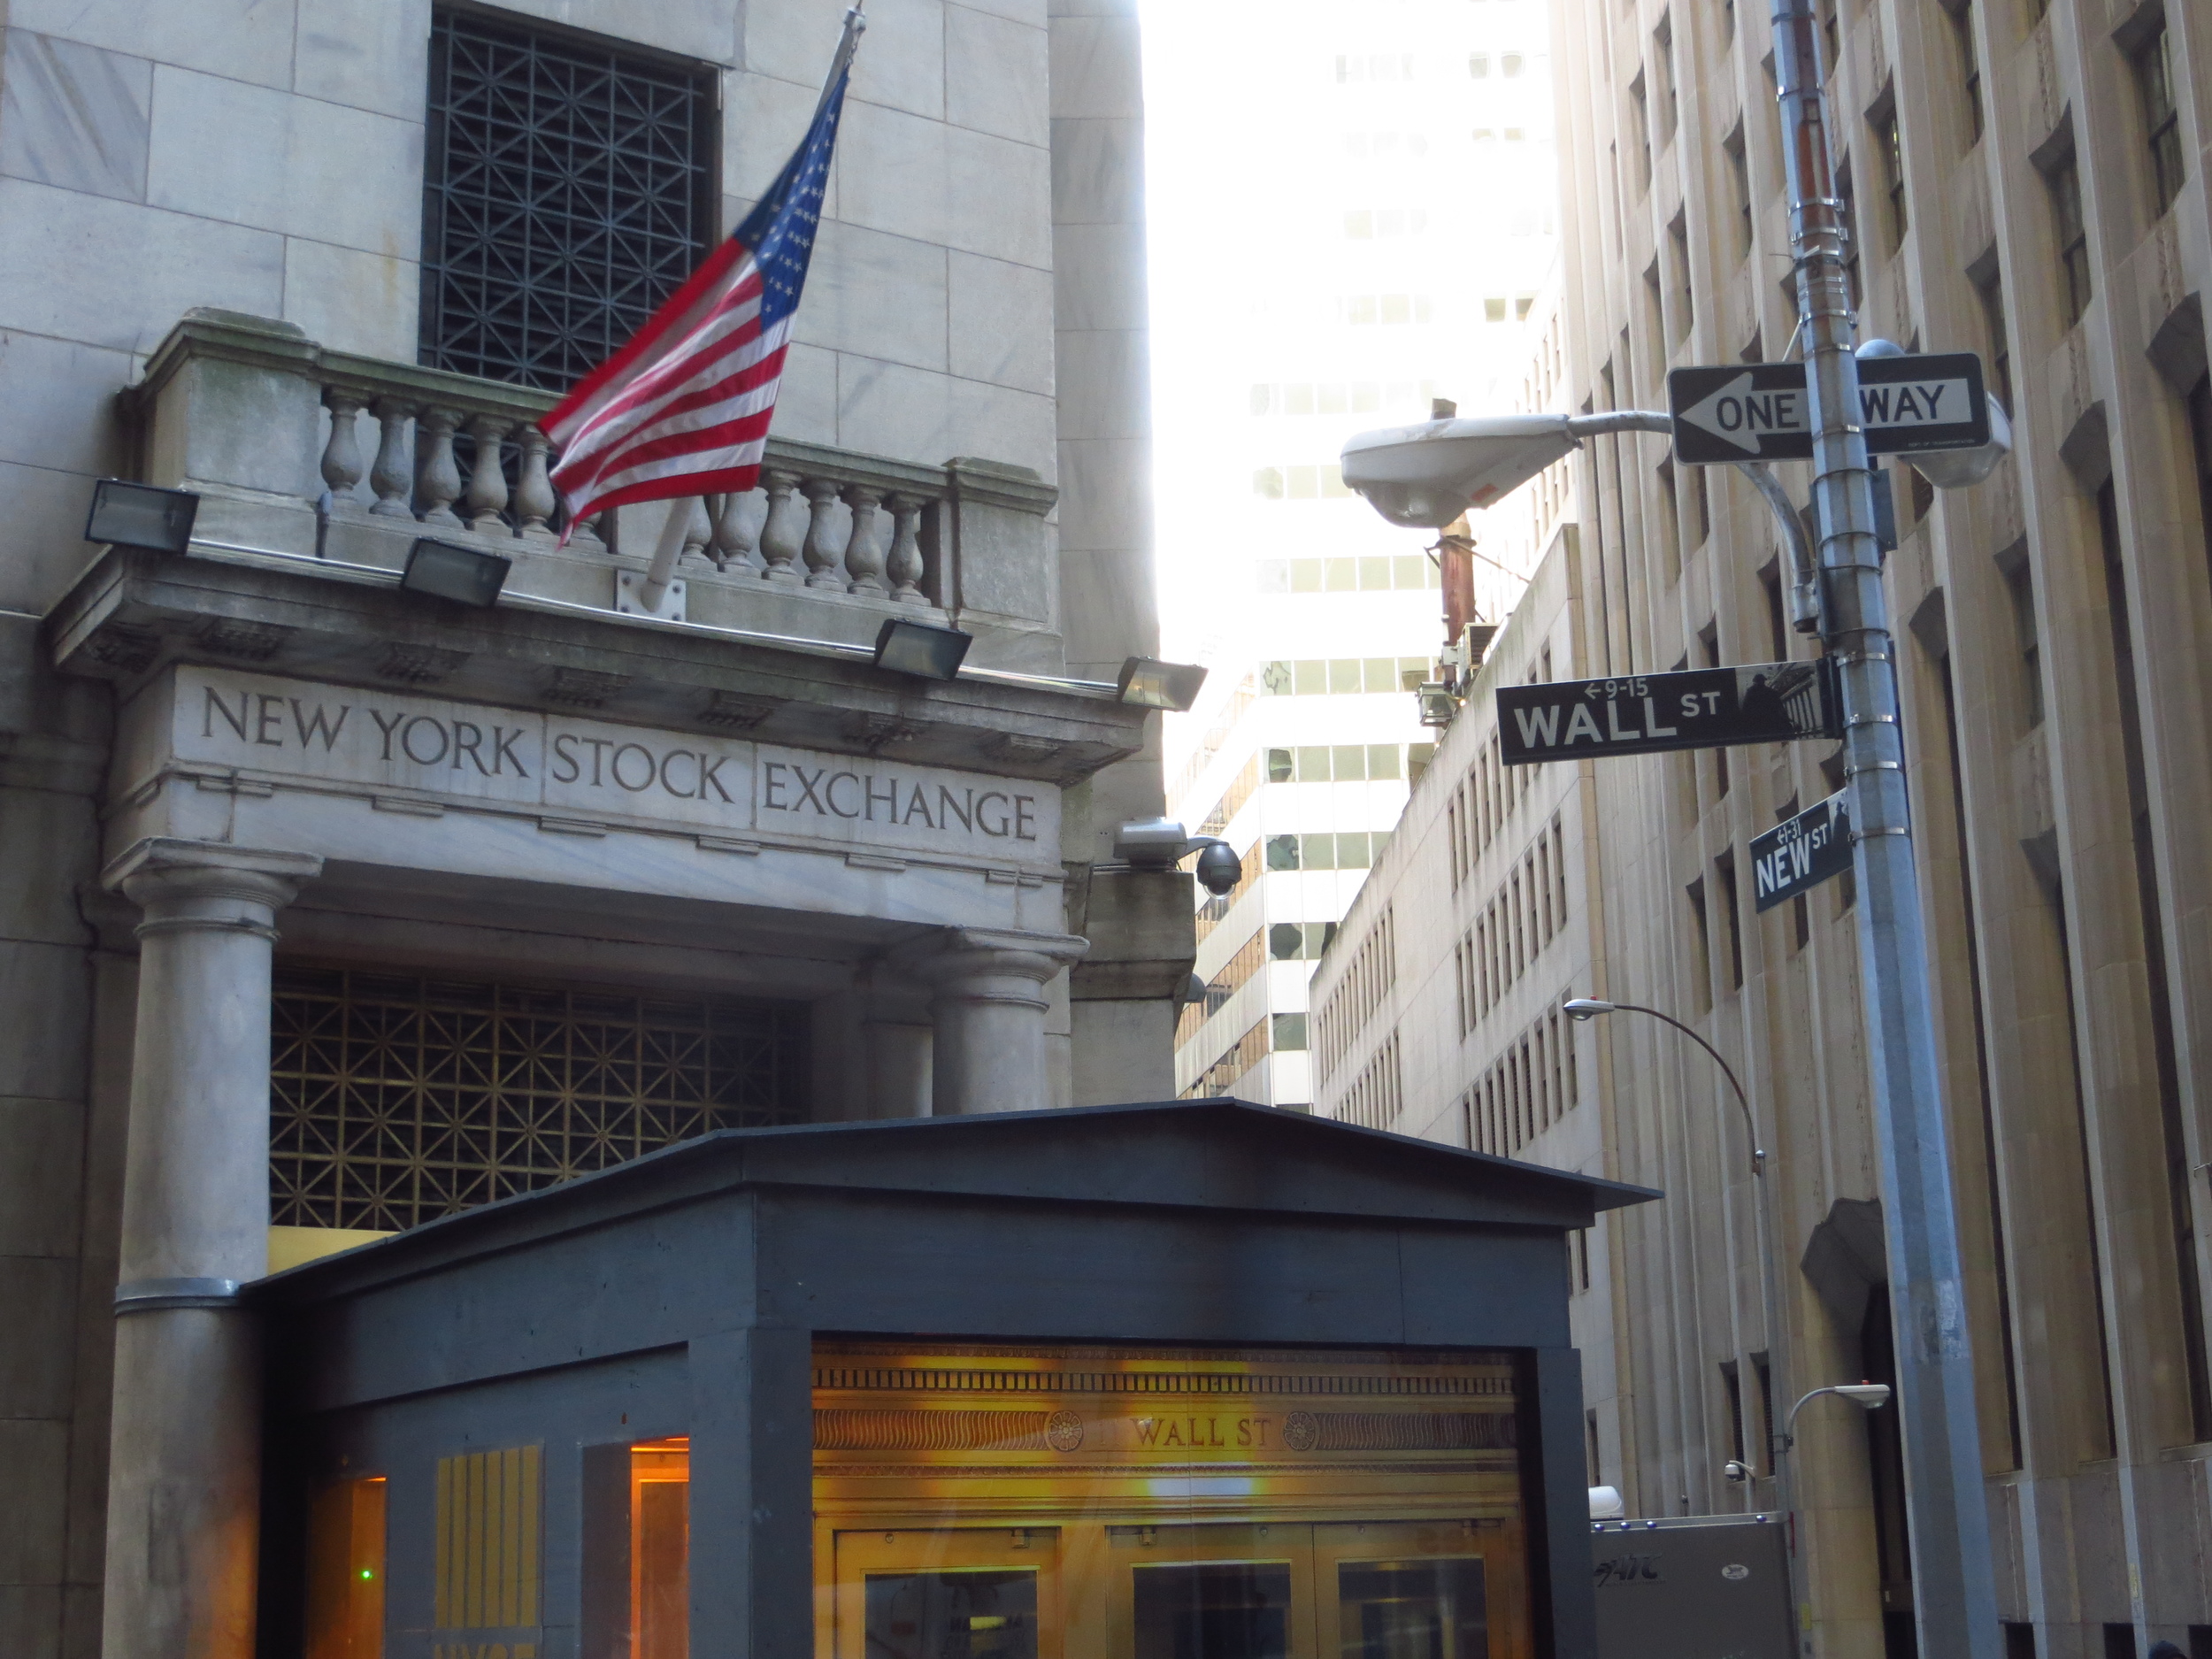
(396, 1099)
(568, 191)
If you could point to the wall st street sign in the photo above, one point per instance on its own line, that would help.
(1643, 714)
(1760, 412)
(1803, 853)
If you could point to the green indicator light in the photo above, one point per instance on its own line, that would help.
(365, 1573)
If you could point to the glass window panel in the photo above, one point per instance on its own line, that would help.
(1304, 482)
(1312, 677)
(1319, 851)
(660, 1550)
(1305, 576)
(1397, 307)
(1282, 852)
(1359, 226)
(1329, 400)
(1229, 1609)
(1351, 851)
(1380, 674)
(1274, 576)
(1288, 1032)
(1413, 1610)
(345, 1570)
(1382, 760)
(1407, 571)
(1332, 484)
(1313, 763)
(1348, 762)
(1263, 399)
(1374, 573)
(1298, 399)
(957, 1613)
(1267, 483)
(1344, 675)
(1343, 575)
(1360, 308)
(1278, 765)
(1285, 941)
(1366, 398)
(1276, 677)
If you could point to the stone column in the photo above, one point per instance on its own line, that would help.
(988, 1005)
(185, 1448)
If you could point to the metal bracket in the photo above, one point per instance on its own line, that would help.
(151, 1295)
(1870, 719)
(1864, 835)
(1875, 765)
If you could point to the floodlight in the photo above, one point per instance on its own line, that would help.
(1439, 707)
(466, 575)
(140, 515)
(1150, 843)
(918, 649)
(1148, 683)
(1588, 1008)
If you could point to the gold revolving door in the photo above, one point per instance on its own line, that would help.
(1003, 1502)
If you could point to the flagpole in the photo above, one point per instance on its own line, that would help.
(670, 547)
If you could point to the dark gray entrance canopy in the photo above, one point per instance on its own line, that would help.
(679, 1295)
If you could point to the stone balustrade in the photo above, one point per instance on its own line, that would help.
(239, 407)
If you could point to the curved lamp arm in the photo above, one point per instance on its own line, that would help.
(1588, 1008)
(1866, 1396)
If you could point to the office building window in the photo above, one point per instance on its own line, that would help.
(569, 187)
(1970, 70)
(1891, 145)
(2073, 237)
(2154, 78)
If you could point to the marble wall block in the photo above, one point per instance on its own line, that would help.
(901, 63)
(876, 295)
(74, 115)
(704, 29)
(886, 408)
(996, 423)
(807, 402)
(43, 1001)
(1000, 323)
(762, 120)
(246, 40)
(246, 156)
(58, 403)
(1031, 11)
(367, 57)
(892, 173)
(352, 301)
(37, 1306)
(42, 547)
(58, 273)
(1097, 172)
(1002, 198)
(35, 1451)
(996, 76)
(41, 1160)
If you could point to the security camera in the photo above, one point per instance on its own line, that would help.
(1735, 1470)
(1423, 477)
(1160, 843)
(1219, 867)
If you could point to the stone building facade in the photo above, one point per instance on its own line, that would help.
(331, 907)
(2027, 182)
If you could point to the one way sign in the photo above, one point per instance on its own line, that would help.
(1760, 412)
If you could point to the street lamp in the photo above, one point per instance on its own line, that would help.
(1588, 1008)
(1868, 1397)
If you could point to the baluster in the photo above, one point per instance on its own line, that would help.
(782, 535)
(904, 565)
(341, 456)
(698, 526)
(534, 500)
(864, 562)
(592, 532)
(392, 478)
(733, 530)
(488, 478)
(437, 475)
(822, 549)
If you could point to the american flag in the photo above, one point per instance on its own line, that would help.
(683, 409)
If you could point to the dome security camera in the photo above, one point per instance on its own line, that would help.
(1218, 867)
(1736, 1472)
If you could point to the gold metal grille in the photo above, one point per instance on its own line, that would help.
(396, 1099)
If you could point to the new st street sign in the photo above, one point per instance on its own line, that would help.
(1643, 714)
(1761, 411)
(1803, 853)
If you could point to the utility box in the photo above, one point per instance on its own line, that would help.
(1692, 1586)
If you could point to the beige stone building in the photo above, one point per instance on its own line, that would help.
(2028, 183)
(332, 907)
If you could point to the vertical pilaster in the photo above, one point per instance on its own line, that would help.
(185, 1464)
(988, 1007)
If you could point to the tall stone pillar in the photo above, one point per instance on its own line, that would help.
(988, 1007)
(185, 1448)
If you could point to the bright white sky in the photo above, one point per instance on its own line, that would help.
(1268, 123)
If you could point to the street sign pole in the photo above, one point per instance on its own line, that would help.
(1955, 1604)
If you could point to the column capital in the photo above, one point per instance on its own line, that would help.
(186, 884)
(953, 960)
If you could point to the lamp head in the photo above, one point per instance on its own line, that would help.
(918, 649)
(1148, 683)
(1423, 477)
(1868, 1397)
(140, 515)
(1588, 1008)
